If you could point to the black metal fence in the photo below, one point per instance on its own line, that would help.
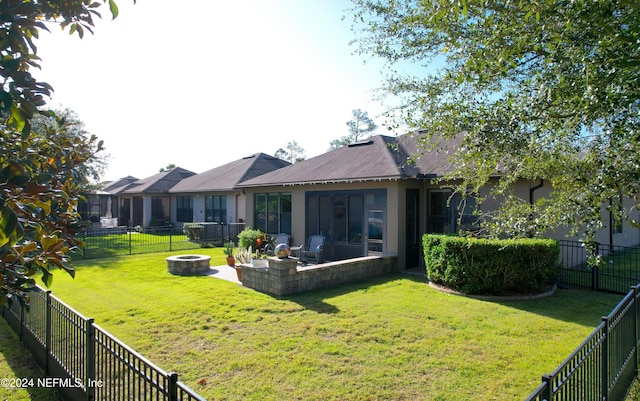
(116, 241)
(604, 366)
(619, 267)
(88, 362)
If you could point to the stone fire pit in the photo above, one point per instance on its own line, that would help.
(188, 264)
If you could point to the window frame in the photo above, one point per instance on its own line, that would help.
(184, 209)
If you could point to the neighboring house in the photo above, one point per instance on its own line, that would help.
(370, 198)
(214, 196)
(147, 202)
(102, 204)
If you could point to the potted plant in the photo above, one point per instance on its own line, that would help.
(228, 250)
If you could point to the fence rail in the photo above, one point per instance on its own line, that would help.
(106, 242)
(605, 365)
(618, 271)
(98, 366)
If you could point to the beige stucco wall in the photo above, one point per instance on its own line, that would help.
(630, 235)
(298, 199)
(396, 224)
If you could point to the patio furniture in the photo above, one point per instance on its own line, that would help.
(313, 250)
(278, 239)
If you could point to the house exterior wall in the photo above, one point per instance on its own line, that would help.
(628, 236)
(394, 212)
(235, 206)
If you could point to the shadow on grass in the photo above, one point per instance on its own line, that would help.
(19, 360)
(584, 307)
(315, 299)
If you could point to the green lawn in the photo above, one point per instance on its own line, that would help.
(16, 363)
(125, 243)
(618, 272)
(391, 338)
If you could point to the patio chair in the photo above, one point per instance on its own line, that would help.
(313, 249)
(278, 239)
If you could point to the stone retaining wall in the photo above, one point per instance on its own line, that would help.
(284, 276)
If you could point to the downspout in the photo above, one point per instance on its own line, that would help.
(531, 191)
(611, 217)
(534, 188)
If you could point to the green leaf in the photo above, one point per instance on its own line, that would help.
(43, 178)
(17, 118)
(10, 230)
(114, 9)
(49, 241)
(47, 278)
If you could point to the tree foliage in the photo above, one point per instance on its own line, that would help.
(359, 126)
(169, 166)
(540, 89)
(42, 169)
(292, 152)
(67, 122)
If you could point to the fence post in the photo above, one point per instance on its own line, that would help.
(635, 329)
(22, 308)
(548, 390)
(172, 391)
(130, 243)
(90, 361)
(170, 239)
(604, 380)
(47, 332)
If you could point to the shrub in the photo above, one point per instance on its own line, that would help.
(491, 267)
(192, 231)
(248, 238)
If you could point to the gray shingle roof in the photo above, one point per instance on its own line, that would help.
(120, 185)
(377, 158)
(159, 183)
(228, 176)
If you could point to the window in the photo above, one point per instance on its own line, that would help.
(216, 208)
(157, 207)
(272, 213)
(440, 218)
(339, 216)
(184, 209)
(447, 214)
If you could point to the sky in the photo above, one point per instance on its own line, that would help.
(201, 83)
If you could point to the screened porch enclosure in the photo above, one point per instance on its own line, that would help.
(352, 222)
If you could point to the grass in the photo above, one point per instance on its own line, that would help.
(125, 243)
(618, 272)
(16, 363)
(390, 338)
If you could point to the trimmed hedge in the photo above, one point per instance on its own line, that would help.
(491, 267)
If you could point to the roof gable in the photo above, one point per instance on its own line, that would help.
(228, 176)
(120, 185)
(159, 183)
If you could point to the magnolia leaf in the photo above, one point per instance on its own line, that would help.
(114, 9)
(30, 247)
(47, 278)
(49, 241)
(17, 118)
(10, 229)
